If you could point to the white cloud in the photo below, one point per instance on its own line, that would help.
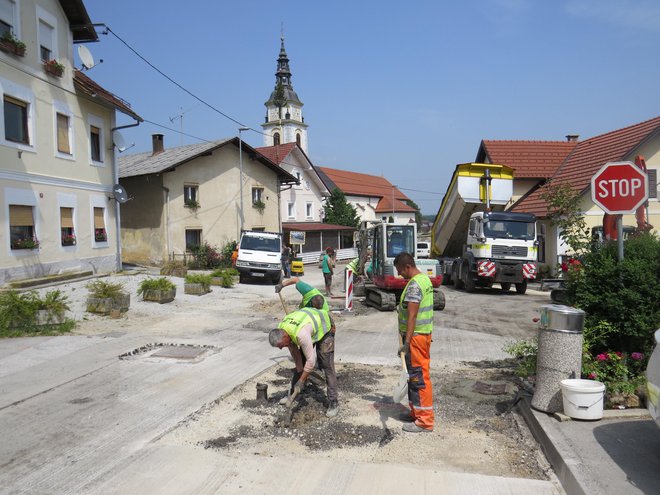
(629, 14)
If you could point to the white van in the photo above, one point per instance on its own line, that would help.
(260, 256)
(423, 249)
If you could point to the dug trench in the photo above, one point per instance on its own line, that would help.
(476, 429)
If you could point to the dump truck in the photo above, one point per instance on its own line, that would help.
(378, 243)
(477, 243)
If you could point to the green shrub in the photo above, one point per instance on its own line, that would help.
(227, 250)
(226, 276)
(204, 256)
(173, 268)
(101, 289)
(618, 371)
(162, 284)
(199, 278)
(18, 313)
(623, 294)
(55, 302)
(18, 309)
(524, 352)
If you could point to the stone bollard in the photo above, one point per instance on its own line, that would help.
(559, 354)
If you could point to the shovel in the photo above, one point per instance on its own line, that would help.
(286, 311)
(401, 389)
(289, 406)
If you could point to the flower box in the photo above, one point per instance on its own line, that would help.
(100, 235)
(106, 304)
(159, 296)
(195, 289)
(25, 244)
(46, 317)
(54, 68)
(68, 241)
(14, 47)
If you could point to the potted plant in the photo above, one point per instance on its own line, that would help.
(106, 296)
(54, 68)
(224, 277)
(68, 240)
(259, 205)
(10, 44)
(174, 269)
(160, 290)
(193, 204)
(100, 235)
(52, 308)
(197, 284)
(25, 243)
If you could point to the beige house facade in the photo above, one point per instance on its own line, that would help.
(57, 160)
(193, 195)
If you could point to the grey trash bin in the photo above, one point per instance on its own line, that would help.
(559, 354)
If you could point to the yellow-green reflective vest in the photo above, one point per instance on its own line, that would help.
(294, 321)
(353, 265)
(424, 322)
(307, 300)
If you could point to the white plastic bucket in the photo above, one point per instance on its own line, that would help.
(583, 399)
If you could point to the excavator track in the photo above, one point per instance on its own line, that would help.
(379, 299)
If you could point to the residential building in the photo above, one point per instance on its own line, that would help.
(581, 164)
(58, 167)
(196, 194)
(374, 197)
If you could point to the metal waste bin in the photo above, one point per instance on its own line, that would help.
(559, 354)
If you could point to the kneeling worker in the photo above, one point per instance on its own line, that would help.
(309, 334)
(309, 294)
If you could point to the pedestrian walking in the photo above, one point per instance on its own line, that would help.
(328, 270)
(415, 317)
(286, 261)
(311, 297)
(309, 334)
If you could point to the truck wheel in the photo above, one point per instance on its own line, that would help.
(521, 288)
(458, 283)
(469, 282)
(241, 278)
(506, 286)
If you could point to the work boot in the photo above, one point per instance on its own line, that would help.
(413, 428)
(406, 417)
(333, 410)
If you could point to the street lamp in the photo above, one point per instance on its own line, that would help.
(240, 166)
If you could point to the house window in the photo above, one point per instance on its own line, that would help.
(16, 120)
(276, 138)
(193, 238)
(5, 28)
(7, 17)
(257, 195)
(100, 234)
(291, 209)
(95, 143)
(191, 196)
(63, 137)
(21, 227)
(309, 210)
(46, 41)
(68, 235)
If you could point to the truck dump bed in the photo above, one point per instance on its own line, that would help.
(465, 195)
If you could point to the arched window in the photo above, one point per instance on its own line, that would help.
(276, 138)
(298, 139)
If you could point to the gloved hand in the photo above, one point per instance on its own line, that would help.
(405, 349)
(278, 288)
(298, 387)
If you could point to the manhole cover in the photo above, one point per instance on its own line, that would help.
(179, 352)
(490, 388)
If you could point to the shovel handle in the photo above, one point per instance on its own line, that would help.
(286, 311)
(402, 355)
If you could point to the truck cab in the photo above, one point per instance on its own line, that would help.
(260, 256)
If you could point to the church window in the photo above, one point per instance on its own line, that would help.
(298, 139)
(276, 138)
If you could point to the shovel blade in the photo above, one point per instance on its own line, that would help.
(401, 389)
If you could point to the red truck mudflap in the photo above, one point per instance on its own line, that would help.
(505, 272)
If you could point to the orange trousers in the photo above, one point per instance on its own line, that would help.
(420, 389)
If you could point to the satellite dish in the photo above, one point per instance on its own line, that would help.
(120, 193)
(118, 141)
(85, 57)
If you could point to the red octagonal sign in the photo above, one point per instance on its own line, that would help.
(619, 187)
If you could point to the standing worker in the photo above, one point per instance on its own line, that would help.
(286, 261)
(415, 315)
(328, 271)
(309, 334)
(309, 294)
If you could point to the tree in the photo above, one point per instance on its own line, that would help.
(564, 212)
(418, 214)
(339, 212)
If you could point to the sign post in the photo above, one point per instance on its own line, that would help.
(619, 188)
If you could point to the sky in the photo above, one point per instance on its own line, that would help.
(403, 90)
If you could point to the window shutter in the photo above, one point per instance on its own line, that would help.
(66, 218)
(63, 134)
(99, 223)
(653, 183)
(20, 216)
(7, 12)
(46, 35)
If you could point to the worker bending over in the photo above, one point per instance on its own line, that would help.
(309, 334)
(415, 315)
(309, 294)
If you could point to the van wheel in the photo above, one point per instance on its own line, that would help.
(277, 279)
(241, 278)
(521, 288)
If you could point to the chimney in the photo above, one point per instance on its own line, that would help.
(157, 143)
(572, 138)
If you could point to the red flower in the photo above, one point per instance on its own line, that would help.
(601, 357)
(592, 376)
(637, 356)
(618, 354)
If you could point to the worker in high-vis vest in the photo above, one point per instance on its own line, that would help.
(309, 334)
(311, 297)
(415, 316)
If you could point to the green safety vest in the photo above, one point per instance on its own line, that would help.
(294, 321)
(424, 323)
(307, 298)
(353, 265)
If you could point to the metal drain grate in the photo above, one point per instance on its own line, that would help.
(179, 352)
(182, 352)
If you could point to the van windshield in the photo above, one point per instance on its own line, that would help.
(255, 243)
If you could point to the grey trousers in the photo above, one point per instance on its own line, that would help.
(325, 353)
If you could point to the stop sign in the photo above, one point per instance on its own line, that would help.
(619, 187)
